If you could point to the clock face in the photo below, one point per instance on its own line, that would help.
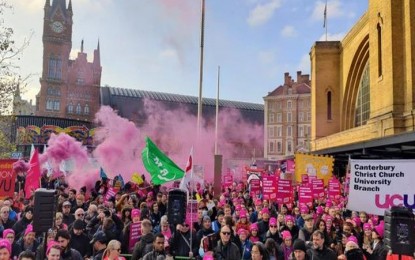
(57, 27)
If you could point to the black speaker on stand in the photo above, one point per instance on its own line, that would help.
(176, 207)
(46, 203)
(399, 231)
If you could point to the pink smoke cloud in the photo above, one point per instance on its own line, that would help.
(20, 166)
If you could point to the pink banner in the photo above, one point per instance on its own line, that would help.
(318, 188)
(284, 191)
(7, 178)
(269, 187)
(334, 190)
(135, 234)
(305, 196)
(110, 193)
(255, 185)
(304, 178)
(311, 178)
(228, 179)
(191, 211)
(290, 166)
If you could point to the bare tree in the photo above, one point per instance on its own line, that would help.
(10, 52)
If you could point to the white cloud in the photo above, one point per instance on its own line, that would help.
(169, 54)
(334, 9)
(333, 37)
(288, 31)
(263, 12)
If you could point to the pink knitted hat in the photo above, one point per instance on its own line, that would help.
(6, 244)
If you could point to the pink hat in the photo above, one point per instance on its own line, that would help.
(352, 238)
(242, 214)
(135, 213)
(50, 245)
(6, 244)
(258, 202)
(319, 210)
(238, 207)
(242, 230)
(286, 234)
(29, 229)
(265, 211)
(367, 226)
(304, 210)
(357, 221)
(329, 203)
(254, 226)
(289, 218)
(7, 231)
(208, 256)
(272, 221)
(379, 229)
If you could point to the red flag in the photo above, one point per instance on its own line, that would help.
(189, 164)
(33, 175)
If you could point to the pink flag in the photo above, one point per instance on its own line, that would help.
(33, 175)
(189, 164)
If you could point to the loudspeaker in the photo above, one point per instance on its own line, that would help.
(44, 209)
(399, 231)
(176, 207)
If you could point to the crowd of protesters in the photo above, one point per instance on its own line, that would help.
(88, 225)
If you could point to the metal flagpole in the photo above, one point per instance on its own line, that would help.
(200, 100)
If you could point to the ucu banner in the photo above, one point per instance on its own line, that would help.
(377, 185)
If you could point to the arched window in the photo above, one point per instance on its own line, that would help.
(86, 109)
(49, 104)
(78, 109)
(363, 99)
(329, 105)
(55, 68)
(70, 108)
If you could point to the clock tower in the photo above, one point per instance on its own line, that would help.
(68, 88)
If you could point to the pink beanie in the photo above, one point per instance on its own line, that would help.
(272, 221)
(379, 229)
(29, 229)
(319, 210)
(254, 226)
(289, 218)
(6, 244)
(242, 214)
(286, 234)
(357, 221)
(135, 213)
(242, 230)
(208, 256)
(367, 226)
(265, 211)
(352, 238)
(50, 245)
(7, 231)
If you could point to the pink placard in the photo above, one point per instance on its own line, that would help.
(318, 188)
(269, 187)
(255, 185)
(284, 191)
(135, 234)
(304, 178)
(228, 180)
(305, 195)
(334, 189)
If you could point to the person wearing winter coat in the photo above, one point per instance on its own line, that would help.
(225, 249)
(145, 244)
(183, 241)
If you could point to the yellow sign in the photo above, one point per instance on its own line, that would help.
(136, 178)
(313, 165)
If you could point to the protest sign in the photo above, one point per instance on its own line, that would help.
(377, 185)
(305, 196)
(333, 189)
(269, 187)
(318, 188)
(255, 186)
(7, 178)
(313, 165)
(284, 191)
(135, 234)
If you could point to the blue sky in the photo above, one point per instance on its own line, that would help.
(155, 44)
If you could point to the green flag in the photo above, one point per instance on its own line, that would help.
(160, 167)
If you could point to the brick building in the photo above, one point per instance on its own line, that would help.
(287, 113)
(69, 88)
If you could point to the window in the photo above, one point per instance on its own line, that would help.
(78, 109)
(289, 105)
(271, 147)
(279, 105)
(279, 117)
(49, 104)
(289, 117)
(290, 91)
(271, 118)
(301, 116)
(55, 68)
(279, 147)
(279, 131)
(289, 147)
(86, 109)
(56, 105)
(289, 130)
(301, 131)
(308, 116)
(363, 99)
(70, 108)
(329, 105)
(270, 132)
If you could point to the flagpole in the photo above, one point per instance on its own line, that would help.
(217, 114)
(200, 100)
(325, 18)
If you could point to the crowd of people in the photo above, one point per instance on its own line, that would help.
(89, 225)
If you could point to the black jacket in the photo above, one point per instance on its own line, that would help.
(81, 243)
(179, 244)
(20, 226)
(229, 251)
(324, 254)
(143, 246)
